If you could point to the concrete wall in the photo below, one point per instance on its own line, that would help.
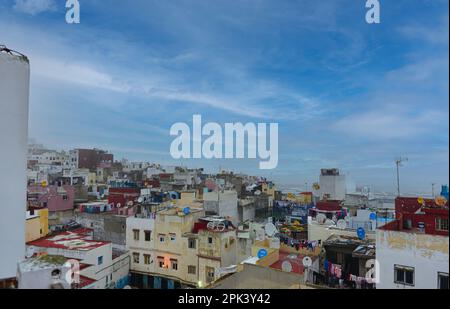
(428, 254)
(14, 94)
(334, 185)
(107, 227)
(259, 277)
(42, 278)
(32, 229)
(322, 232)
(224, 204)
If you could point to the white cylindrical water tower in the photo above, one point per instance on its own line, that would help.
(14, 94)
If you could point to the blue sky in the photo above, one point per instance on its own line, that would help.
(345, 93)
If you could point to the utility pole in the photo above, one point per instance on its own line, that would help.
(398, 163)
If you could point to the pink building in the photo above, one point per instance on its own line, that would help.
(52, 197)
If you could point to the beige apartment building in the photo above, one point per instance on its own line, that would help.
(163, 248)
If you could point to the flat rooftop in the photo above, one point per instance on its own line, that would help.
(78, 240)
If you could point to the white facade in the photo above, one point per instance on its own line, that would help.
(321, 232)
(50, 157)
(14, 94)
(425, 255)
(141, 246)
(332, 186)
(223, 203)
(36, 273)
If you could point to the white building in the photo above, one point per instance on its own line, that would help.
(45, 272)
(100, 265)
(332, 184)
(411, 260)
(50, 158)
(14, 94)
(223, 204)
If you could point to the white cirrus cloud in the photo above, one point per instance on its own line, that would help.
(34, 7)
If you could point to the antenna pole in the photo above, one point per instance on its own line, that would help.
(398, 177)
(398, 163)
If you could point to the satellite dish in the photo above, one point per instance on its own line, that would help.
(119, 205)
(361, 233)
(140, 199)
(262, 253)
(270, 229)
(321, 218)
(127, 287)
(329, 222)
(421, 200)
(257, 192)
(341, 224)
(30, 252)
(286, 266)
(219, 226)
(307, 261)
(373, 216)
(440, 201)
(187, 210)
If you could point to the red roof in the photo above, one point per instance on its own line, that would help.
(295, 260)
(85, 281)
(80, 240)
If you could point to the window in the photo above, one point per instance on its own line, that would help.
(173, 237)
(161, 262)
(136, 235)
(136, 257)
(174, 264)
(148, 235)
(147, 259)
(404, 275)
(442, 224)
(210, 240)
(56, 274)
(192, 243)
(443, 281)
(192, 270)
(209, 274)
(162, 237)
(100, 260)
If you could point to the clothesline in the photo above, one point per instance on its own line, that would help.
(297, 244)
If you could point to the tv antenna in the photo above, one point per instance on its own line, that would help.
(398, 163)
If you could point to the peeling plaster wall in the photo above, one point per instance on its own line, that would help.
(428, 254)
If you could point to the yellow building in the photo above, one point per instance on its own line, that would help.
(175, 247)
(36, 225)
(302, 198)
(269, 188)
(163, 248)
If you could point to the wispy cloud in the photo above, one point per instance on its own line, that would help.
(388, 125)
(337, 86)
(34, 7)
